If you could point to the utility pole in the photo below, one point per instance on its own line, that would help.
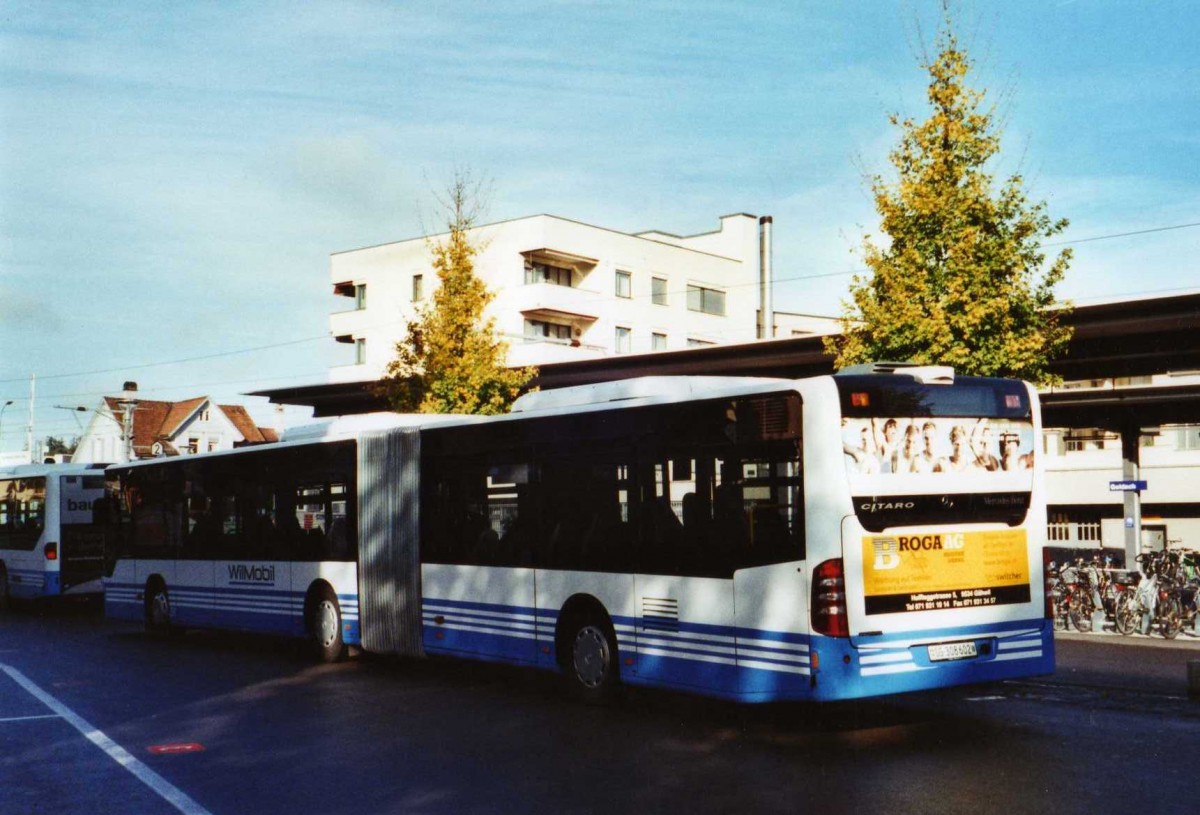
(128, 404)
(29, 427)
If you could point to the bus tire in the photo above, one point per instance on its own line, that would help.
(325, 626)
(158, 609)
(591, 663)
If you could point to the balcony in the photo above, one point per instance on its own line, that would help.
(543, 351)
(356, 322)
(547, 301)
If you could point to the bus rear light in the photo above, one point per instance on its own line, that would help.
(829, 599)
(51, 551)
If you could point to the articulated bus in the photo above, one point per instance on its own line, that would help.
(837, 537)
(51, 541)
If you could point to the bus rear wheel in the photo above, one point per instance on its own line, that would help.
(591, 665)
(325, 627)
(158, 610)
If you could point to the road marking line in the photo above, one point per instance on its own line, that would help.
(165, 789)
(27, 718)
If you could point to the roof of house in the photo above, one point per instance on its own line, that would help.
(252, 433)
(158, 421)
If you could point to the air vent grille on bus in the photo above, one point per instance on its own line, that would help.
(660, 614)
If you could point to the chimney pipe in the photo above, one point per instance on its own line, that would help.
(766, 311)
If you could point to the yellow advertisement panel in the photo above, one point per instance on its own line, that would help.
(945, 570)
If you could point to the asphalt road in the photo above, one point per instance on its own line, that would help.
(251, 726)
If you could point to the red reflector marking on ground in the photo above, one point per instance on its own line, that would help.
(165, 749)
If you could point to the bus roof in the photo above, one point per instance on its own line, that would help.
(667, 388)
(40, 470)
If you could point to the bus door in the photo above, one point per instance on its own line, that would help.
(83, 520)
(252, 575)
(484, 517)
(770, 586)
(683, 586)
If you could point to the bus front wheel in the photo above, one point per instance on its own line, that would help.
(325, 627)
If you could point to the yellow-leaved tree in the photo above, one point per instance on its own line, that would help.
(450, 360)
(962, 280)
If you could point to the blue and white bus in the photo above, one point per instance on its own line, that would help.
(844, 536)
(51, 542)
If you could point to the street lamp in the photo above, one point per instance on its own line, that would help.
(2, 409)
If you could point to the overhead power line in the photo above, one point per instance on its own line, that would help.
(605, 298)
(172, 361)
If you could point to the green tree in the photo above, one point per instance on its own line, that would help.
(961, 282)
(450, 360)
(56, 446)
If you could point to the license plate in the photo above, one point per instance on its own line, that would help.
(946, 651)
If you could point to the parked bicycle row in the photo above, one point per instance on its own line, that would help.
(1160, 598)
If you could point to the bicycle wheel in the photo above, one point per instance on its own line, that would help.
(1170, 617)
(1081, 614)
(1127, 616)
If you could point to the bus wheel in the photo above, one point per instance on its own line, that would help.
(591, 666)
(325, 627)
(158, 610)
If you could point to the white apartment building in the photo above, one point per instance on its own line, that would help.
(568, 291)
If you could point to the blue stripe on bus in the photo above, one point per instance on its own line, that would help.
(260, 610)
(753, 664)
(28, 584)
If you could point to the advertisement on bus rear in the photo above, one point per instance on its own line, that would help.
(945, 570)
(901, 446)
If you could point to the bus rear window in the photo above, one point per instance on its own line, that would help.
(969, 397)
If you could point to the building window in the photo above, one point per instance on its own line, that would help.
(193, 446)
(658, 342)
(624, 340)
(1188, 437)
(360, 351)
(709, 301)
(658, 291)
(540, 329)
(537, 272)
(360, 296)
(418, 289)
(212, 445)
(205, 415)
(624, 284)
(694, 343)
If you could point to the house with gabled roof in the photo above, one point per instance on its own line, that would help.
(158, 428)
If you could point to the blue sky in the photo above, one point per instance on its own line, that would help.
(173, 177)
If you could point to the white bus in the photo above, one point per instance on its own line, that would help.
(50, 542)
(752, 539)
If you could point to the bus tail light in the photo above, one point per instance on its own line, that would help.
(51, 551)
(829, 599)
